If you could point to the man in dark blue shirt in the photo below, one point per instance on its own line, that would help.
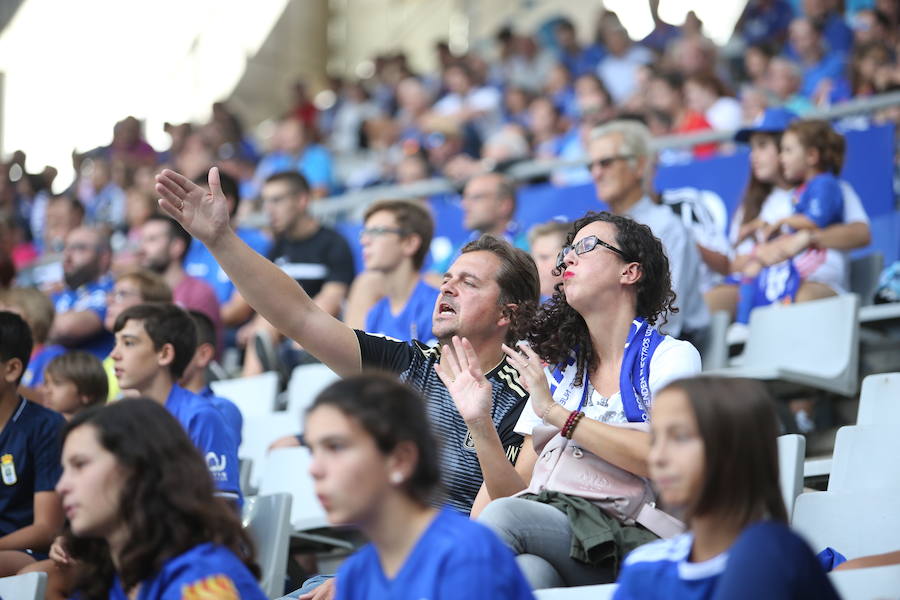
(30, 510)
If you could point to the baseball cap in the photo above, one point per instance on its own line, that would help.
(773, 120)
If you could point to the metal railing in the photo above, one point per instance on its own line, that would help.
(352, 204)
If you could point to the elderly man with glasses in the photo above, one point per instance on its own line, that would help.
(621, 165)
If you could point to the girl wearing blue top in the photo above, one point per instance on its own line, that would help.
(606, 361)
(143, 521)
(714, 459)
(375, 466)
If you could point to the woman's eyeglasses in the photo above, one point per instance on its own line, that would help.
(586, 244)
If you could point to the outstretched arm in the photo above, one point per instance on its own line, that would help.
(270, 291)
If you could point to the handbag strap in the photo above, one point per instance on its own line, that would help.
(661, 523)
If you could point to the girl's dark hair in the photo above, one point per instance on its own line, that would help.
(558, 328)
(167, 503)
(820, 135)
(736, 420)
(757, 190)
(392, 413)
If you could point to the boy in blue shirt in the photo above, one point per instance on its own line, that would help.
(30, 510)
(395, 240)
(195, 374)
(154, 345)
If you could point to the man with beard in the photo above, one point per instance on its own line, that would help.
(164, 244)
(81, 306)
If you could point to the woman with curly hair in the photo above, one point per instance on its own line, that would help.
(604, 361)
(143, 520)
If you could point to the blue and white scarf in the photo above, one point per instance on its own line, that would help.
(634, 376)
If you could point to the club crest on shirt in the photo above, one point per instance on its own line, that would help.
(469, 443)
(8, 469)
(214, 587)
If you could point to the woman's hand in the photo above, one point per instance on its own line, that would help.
(58, 552)
(531, 370)
(203, 214)
(749, 229)
(460, 371)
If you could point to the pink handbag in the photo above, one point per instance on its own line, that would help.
(565, 467)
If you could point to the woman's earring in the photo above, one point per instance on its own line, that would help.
(396, 477)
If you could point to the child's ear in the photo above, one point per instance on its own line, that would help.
(84, 399)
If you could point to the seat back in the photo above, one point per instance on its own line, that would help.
(791, 451)
(584, 592)
(30, 586)
(305, 384)
(268, 521)
(253, 395)
(879, 400)
(865, 272)
(715, 352)
(853, 523)
(286, 470)
(865, 459)
(818, 338)
(258, 433)
(866, 584)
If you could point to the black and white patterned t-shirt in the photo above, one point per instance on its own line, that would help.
(414, 363)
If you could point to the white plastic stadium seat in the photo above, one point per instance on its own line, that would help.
(879, 400)
(853, 523)
(305, 384)
(258, 433)
(791, 450)
(253, 395)
(584, 592)
(882, 583)
(865, 459)
(814, 344)
(268, 521)
(30, 586)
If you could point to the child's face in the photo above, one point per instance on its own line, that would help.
(676, 460)
(61, 395)
(793, 158)
(137, 363)
(764, 159)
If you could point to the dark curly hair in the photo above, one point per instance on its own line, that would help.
(167, 501)
(558, 329)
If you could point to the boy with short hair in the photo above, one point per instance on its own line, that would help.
(195, 377)
(30, 510)
(154, 345)
(73, 381)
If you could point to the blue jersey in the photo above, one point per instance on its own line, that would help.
(767, 560)
(232, 414)
(29, 462)
(413, 322)
(455, 558)
(204, 571)
(206, 427)
(90, 296)
(34, 374)
(822, 200)
(201, 264)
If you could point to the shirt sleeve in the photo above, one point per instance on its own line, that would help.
(386, 354)
(822, 202)
(210, 435)
(854, 212)
(673, 359)
(47, 465)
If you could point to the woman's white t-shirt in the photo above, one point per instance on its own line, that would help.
(673, 359)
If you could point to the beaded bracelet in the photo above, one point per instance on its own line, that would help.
(574, 424)
(567, 429)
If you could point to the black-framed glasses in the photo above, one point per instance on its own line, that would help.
(609, 160)
(586, 244)
(379, 231)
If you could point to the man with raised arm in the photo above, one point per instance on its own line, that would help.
(482, 293)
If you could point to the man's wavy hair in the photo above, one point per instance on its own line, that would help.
(558, 329)
(167, 503)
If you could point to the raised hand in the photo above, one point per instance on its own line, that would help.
(531, 370)
(460, 372)
(58, 551)
(203, 214)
